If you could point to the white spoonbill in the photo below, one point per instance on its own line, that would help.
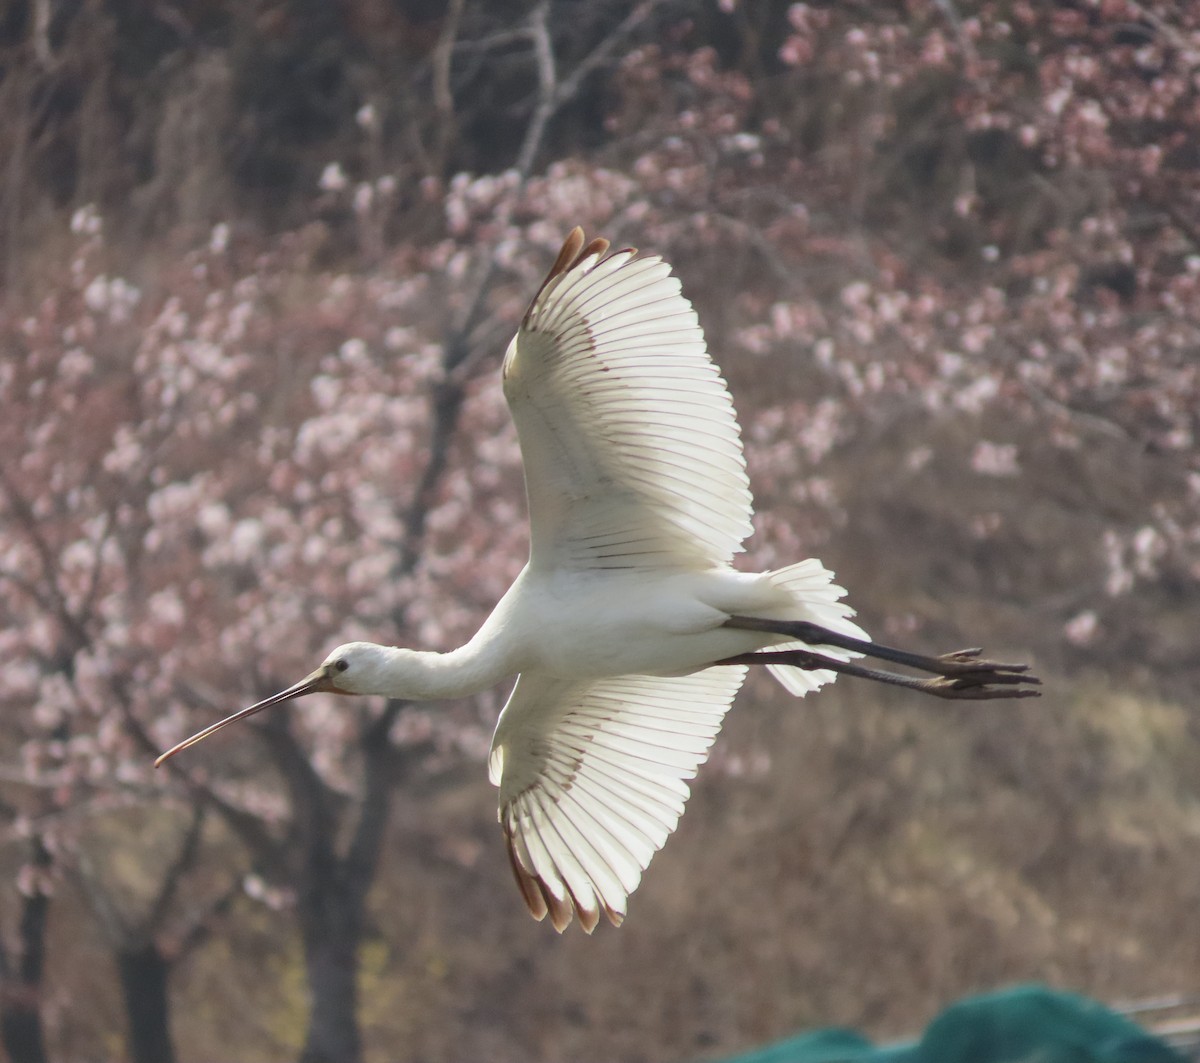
(629, 631)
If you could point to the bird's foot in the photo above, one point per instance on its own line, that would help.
(960, 675)
(963, 674)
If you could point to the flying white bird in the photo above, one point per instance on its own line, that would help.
(628, 630)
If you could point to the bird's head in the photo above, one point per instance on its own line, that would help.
(352, 668)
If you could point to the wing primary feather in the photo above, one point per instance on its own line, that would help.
(535, 900)
(663, 339)
(559, 909)
(540, 897)
(590, 258)
(648, 737)
(569, 862)
(597, 863)
(656, 310)
(640, 845)
(609, 341)
(667, 762)
(617, 284)
(660, 811)
(554, 309)
(541, 859)
(587, 800)
(664, 802)
(584, 810)
(561, 870)
(660, 727)
(570, 255)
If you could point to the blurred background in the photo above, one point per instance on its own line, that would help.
(258, 264)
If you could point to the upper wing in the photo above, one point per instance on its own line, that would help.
(628, 435)
(591, 777)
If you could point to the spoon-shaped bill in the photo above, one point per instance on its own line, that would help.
(311, 684)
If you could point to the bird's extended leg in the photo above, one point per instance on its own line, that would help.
(960, 675)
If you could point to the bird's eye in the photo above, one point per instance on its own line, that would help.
(342, 665)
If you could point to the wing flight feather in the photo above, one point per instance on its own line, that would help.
(592, 778)
(632, 453)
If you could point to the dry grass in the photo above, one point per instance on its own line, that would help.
(855, 859)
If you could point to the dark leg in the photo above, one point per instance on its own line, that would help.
(962, 674)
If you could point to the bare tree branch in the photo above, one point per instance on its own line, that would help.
(100, 901)
(94, 577)
(200, 927)
(184, 860)
(314, 821)
(249, 829)
(553, 95)
(543, 52)
(460, 348)
(362, 854)
(443, 93)
(950, 12)
(601, 54)
(1172, 35)
(27, 586)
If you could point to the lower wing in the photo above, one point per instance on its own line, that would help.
(592, 781)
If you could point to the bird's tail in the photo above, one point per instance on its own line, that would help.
(816, 598)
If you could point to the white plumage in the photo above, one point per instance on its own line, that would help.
(591, 778)
(632, 453)
(628, 629)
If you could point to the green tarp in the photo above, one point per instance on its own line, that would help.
(1024, 1024)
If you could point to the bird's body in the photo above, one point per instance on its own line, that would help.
(661, 624)
(629, 629)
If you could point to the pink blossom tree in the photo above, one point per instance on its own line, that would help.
(959, 237)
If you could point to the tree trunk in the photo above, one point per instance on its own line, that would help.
(21, 990)
(331, 918)
(144, 972)
(21, 1023)
(332, 886)
(21, 1015)
(20, 1010)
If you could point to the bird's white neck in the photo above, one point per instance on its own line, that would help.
(421, 675)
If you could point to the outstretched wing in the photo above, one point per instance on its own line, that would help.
(592, 781)
(632, 453)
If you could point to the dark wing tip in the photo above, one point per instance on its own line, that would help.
(539, 898)
(598, 247)
(534, 899)
(560, 911)
(568, 254)
(574, 250)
